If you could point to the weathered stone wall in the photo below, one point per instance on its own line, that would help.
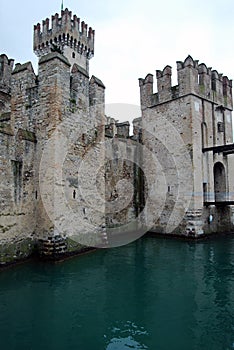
(120, 179)
(18, 196)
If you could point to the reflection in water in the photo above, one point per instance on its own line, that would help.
(125, 336)
(214, 295)
(152, 294)
(124, 344)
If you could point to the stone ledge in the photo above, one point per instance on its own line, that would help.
(76, 68)
(52, 56)
(97, 81)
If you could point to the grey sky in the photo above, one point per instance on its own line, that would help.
(133, 37)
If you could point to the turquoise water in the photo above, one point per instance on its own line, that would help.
(152, 294)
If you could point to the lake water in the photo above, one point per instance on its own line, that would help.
(152, 294)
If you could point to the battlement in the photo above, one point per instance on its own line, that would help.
(61, 32)
(192, 78)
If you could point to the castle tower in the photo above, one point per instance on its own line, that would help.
(70, 107)
(193, 121)
(67, 35)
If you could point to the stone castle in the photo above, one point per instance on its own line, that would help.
(72, 178)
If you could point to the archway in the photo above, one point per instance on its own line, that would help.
(219, 182)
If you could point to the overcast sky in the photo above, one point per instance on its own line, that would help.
(133, 37)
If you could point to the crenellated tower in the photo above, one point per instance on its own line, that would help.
(194, 117)
(66, 34)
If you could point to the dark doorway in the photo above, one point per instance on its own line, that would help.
(219, 182)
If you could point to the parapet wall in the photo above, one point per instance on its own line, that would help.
(65, 30)
(192, 78)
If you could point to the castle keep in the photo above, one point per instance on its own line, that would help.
(72, 177)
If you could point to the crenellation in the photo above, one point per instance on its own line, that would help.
(76, 23)
(55, 22)
(204, 82)
(84, 28)
(217, 86)
(91, 32)
(164, 84)
(227, 92)
(146, 90)
(45, 27)
(187, 75)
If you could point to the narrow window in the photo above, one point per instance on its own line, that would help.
(74, 194)
(73, 55)
(220, 127)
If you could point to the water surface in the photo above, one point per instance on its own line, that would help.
(152, 294)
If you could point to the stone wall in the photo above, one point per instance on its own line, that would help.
(17, 193)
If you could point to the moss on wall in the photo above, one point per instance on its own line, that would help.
(13, 252)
